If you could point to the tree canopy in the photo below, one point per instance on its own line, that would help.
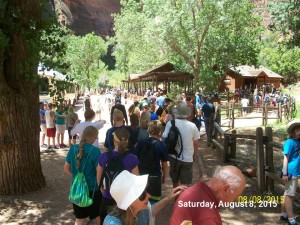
(203, 37)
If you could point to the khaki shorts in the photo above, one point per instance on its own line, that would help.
(183, 172)
(43, 128)
(60, 129)
(291, 186)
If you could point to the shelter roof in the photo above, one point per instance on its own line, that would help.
(252, 71)
(161, 73)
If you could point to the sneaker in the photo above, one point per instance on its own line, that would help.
(49, 148)
(44, 146)
(55, 147)
(297, 223)
(63, 146)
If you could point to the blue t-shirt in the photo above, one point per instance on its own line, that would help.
(160, 154)
(142, 219)
(207, 109)
(160, 101)
(130, 161)
(90, 170)
(291, 147)
(42, 114)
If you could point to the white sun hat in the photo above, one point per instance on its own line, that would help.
(127, 187)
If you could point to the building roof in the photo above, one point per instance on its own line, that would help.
(160, 73)
(251, 71)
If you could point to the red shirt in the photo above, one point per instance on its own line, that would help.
(197, 204)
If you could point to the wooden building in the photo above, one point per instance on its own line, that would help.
(248, 76)
(160, 77)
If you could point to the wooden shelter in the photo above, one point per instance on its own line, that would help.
(162, 75)
(241, 76)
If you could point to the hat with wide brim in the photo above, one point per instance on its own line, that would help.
(127, 187)
(181, 110)
(293, 124)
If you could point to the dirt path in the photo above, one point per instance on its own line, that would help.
(51, 206)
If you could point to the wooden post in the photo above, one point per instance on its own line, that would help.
(260, 160)
(263, 115)
(269, 159)
(233, 145)
(226, 146)
(210, 129)
(266, 114)
(232, 117)
(280, 112)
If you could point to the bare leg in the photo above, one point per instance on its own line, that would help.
(287, 207)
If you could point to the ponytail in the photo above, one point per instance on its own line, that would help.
(122, 135)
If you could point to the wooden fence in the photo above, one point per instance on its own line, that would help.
(232, 111)
(225, 142)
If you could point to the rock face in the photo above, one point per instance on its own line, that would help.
(89, 15)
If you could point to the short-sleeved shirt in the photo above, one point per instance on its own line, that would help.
(196, 194)
(60, 120)
(71, 119)
(160, 153)
(207, 109)
(189, 133)
(160, 100)
(130, 161)
(108, 143)
(144, 217)
(49, 115)
(143, 134)
(89, 162)
(291, 147)
(42, 114)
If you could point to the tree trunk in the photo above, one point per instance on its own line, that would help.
(20, 162)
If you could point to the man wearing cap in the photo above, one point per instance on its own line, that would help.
(291, 171)
(200, 203)
(120, 107)
(181, 169)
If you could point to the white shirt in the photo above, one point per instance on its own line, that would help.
(189, 133)
(245, 102)
(49, 120)
(79, 128)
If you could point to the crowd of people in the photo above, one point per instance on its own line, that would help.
(125, 177)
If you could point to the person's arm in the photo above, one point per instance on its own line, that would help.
(165, 171)
(99, 174)
(162, 203)
(74, 131)
(67, 168)
(285, 167)
(196, 144)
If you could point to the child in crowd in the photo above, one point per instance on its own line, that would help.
(84, 158)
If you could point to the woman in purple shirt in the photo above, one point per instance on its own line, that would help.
(107, 162)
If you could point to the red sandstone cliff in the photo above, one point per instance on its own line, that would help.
(92, 15)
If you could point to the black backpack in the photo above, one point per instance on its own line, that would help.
(172, 140)
(112, 169)
(87, 103)
(146, 157)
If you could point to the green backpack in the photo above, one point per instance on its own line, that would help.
(79, 191)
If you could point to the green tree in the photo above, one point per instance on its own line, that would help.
(280, 57)
(204, 37)
(83, 55)
(286, 20)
